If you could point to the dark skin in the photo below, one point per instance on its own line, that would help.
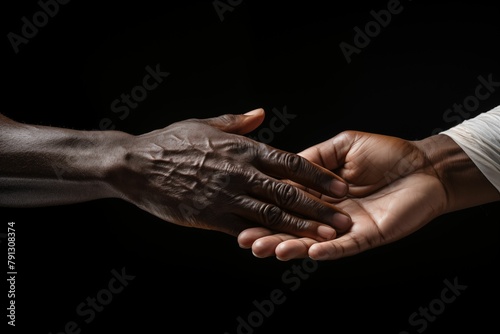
(200, 173)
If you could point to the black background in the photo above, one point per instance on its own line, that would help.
(263, 54)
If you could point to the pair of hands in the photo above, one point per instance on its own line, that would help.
(353, 192)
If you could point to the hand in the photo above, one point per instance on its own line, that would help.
(393, 191)
(203, 173)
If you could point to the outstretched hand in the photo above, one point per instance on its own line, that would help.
(393, 191)
(204, 173)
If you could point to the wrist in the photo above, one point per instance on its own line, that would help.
(463, 183)
(84, 162)
(123, 172)
(108, 161)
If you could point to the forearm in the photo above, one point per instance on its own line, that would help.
(42, 165)
(466, 158)
(464, 184)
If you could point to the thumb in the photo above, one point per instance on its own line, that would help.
(238, 124)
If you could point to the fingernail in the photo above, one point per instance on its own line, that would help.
(341, 221)
(338, 188)
(326, 232)
(253, 253)
(253, 112)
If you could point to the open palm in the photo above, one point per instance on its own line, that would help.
(393, 192)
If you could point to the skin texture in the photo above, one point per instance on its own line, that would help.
(396, 187)
(199, 173)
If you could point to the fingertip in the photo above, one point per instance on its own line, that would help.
(339, 188)
(255, 112)
(250, 121)
(260, 253)
(282, 252)
(316, 252)
(326, 232)
(257, 255)
(291, 249)
(264, 247)
(247, 238)
(342, 222)
(258, 244)
(258, 249)
(244, 240)
(281, 249)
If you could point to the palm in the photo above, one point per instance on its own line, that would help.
(388, 198)
(388, 214)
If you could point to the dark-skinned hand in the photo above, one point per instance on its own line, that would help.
(200, 173)
(204, 173)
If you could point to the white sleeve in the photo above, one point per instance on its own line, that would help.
(479, 137)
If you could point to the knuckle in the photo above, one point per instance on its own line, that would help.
(226, 119)
(271, 214)
(292, 162)
(347, 134)
(244, 149)
(231, 169)
(299, 225)
(286, 195)
(232, 172)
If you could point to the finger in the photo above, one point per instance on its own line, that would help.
(297, 201)
(273, 217)
(238, 124)
(266, 246)
(286, 165)
(315, 193)
(265, 243)
(344, 246)
(247, 237)
(284, 246)
(294, 249)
